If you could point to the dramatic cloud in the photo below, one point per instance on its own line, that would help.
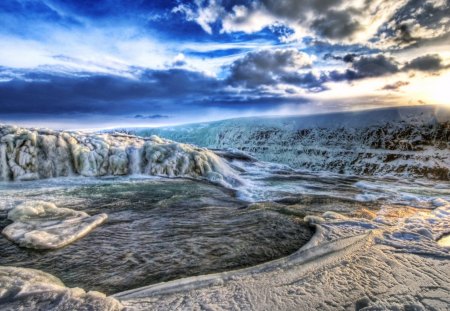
(267, 67)
(159, 61)
(375, 66)
(89, 93)
(431, 63)
(166, 92)
(291, 67)
(352, 20)
(416, 22)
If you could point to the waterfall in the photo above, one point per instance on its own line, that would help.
(35, 154)
(4, 170)
(134, 161)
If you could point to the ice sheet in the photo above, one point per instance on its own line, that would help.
(42, 225)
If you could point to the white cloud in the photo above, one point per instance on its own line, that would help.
(204, 15)
(353, 21)
(246, 20)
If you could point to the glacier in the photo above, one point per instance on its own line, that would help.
(404, 141)
(30, 154)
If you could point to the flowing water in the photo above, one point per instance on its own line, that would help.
(161, 229)
(157, 230)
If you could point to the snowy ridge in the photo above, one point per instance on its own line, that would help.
(28, 154)
(410, 142)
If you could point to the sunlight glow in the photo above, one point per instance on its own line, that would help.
(433, 90)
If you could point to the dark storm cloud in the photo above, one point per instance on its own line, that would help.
(327, 20)
(266, 67)
(336, 25)
(392, 22)
(374, 66)
(347, 58)
(308, 81)
(430, 62)
(37, 92)
(271, 68)
(153, 94)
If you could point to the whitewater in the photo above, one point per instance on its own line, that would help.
(119, 221)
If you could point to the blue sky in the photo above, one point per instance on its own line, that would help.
(93, 64)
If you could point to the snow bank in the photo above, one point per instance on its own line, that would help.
(28, 289)
(42, 225)
(35, 154)
(410, 142)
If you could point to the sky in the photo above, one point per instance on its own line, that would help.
(100, 64)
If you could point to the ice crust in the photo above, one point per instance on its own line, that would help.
(29, 289)
(27, 154)
(350, 264)
(409, 142)
(42, 225)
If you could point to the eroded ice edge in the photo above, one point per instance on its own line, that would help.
(404, 141)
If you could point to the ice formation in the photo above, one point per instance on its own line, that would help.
(387, 263)
(404, 141)
(28, 289)
(42, 225)
(35, 154)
